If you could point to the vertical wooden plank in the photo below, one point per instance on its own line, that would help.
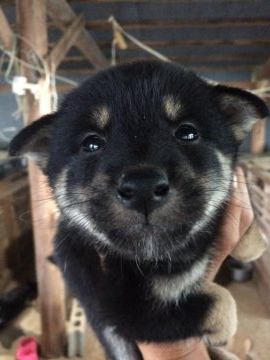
(9, 217)
(33, 29)
(264, 71)
(63, 15)
(67, 40)
(6, 35)
(258, 135)
(50, 285)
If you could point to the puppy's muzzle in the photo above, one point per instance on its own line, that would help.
(143, 189)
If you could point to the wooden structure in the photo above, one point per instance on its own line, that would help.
(51, 290)
(258, 177)
(10, 229)
(205, 36)
(33, 34)
(259, 132)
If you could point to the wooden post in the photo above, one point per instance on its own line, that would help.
(69, 38)
(63, 15)
(264, 71)
(6, 32)
(33, 29)
(258, 135)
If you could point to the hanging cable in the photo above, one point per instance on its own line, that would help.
(137, 42)
(11, 55)
(118, 28)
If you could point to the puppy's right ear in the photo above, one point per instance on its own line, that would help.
(33, 140)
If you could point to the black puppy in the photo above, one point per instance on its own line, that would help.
(140, 158)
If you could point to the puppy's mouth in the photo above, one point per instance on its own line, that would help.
(145, 227)
(148, 227)
(148, 240)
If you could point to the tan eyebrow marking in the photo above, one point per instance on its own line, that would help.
(172, 107)
(101, 115)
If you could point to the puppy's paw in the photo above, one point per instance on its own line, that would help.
(221, 322)
(252, 245)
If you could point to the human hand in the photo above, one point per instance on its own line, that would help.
(193, 349)
(238, 218)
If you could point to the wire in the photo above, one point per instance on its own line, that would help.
(10, 63)
(118, 27)
(4, 137)
(37, 64)
(66, 80)
(44, 69)
(12, 57)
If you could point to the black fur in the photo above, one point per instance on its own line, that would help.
(108, 251)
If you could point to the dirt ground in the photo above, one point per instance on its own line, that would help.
(253, 335)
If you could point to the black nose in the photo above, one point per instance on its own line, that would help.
(143, 189)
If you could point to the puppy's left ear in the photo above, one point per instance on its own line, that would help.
(33, 140)
(242, 108)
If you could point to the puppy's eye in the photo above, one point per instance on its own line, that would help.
(187, 133)
(92, 143)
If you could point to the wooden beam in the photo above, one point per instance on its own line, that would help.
(65, 87)
(81, 67)
(193, 43)
(258, 137)
(60, 12)
(212, 66)
(6, 88)
(32, 21)
(189, 58)
(84, 71)
(71, 35)
(79, 62)
(103, 24)
(6, 33)
(247, 85)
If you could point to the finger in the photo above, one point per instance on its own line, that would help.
(240, 196)
(239, 214)
(237, 219)
(181, 350)
(247, 214)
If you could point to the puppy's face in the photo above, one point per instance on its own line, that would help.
(141, 156)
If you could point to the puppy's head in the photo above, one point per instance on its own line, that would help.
(140, 156)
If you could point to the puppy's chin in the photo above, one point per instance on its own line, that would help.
(148, 241)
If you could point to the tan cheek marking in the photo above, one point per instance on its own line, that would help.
(172, 107)
(216, 197)
(101, 115)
